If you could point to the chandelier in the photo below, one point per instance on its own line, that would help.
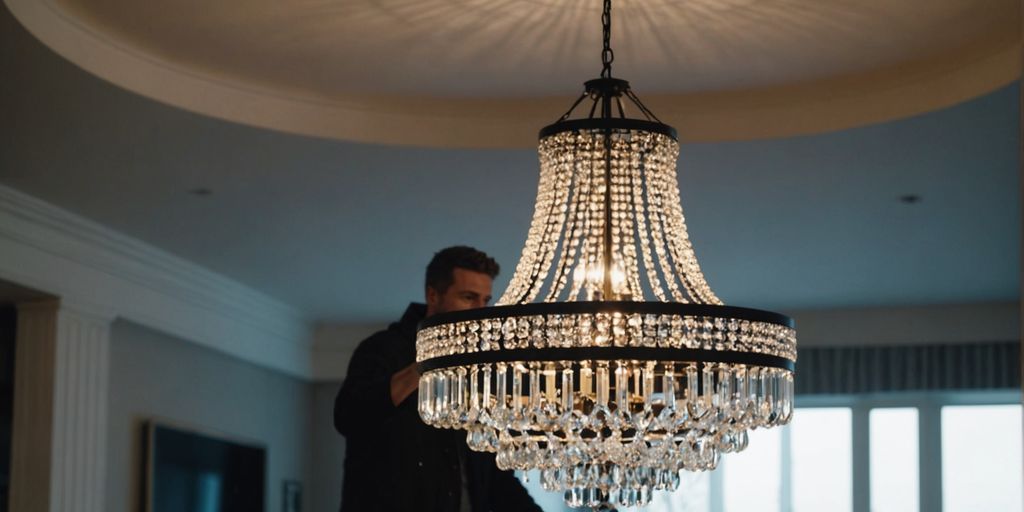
(608, 363)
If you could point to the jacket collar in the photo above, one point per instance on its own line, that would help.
(411, 319)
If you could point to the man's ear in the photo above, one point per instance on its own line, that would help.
(433, 298)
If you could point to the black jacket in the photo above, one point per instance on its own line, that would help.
(393, 461)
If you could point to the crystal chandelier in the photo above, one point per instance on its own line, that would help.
(608, 363)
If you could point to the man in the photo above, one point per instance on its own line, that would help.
(394, 462)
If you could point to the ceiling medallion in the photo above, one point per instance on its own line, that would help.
(608, 364)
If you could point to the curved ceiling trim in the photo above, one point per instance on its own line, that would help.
(798, 109)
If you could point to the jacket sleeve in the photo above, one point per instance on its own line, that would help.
(508, 493)
(364, 399)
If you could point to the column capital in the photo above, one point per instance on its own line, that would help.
(87, 310)
(81, 309)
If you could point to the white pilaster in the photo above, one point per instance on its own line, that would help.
(58, 460)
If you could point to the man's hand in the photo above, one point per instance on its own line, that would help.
(403, 383)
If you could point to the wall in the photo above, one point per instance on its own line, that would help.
(328, 451)
(909, 325)
(156, 375)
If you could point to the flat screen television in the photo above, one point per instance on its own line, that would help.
(192, 471)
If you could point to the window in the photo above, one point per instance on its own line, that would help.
(752, 479)
(895, 485)
(693, 495)
(822, 460)
(981, 458)
(866, 451)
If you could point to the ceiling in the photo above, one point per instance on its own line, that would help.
(483, 73)
(535, 48)
(342, 230)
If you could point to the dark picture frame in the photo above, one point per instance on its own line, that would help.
(172, 444)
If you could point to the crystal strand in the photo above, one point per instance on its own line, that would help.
(724, 394)
(571, 240)
(637, 377)
(586, 380)
(485, 394)
(474, 392)
(442, 395)
(549, 241)
(668, 390)
(707, 398)
(764, 397)
(753, 396)
(740, 393)
(642, 210)
(595, 222)
(500, 414)
(567, 393)
(527, 272)
(602, 383)
(524, 269)
(631, 266)
(661, 153)
(622, 389)
(535, 240)
(517, 393)
(620, 286)
(655, 184)
(535, 396)
(460, 408)
(686, 260)
(778, 403)
(550, 387)
(582, 216)
(426, 398)
(693, 402)
(581, 283)
(565, 176)
(787, 397)
(648, 384)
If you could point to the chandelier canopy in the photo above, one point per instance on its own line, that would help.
(608, 363)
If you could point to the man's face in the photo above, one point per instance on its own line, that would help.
(469, 289)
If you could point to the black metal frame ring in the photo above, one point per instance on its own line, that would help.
(660, 354)
(613, 123)
(624, 307)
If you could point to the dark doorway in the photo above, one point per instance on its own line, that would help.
(8, 319)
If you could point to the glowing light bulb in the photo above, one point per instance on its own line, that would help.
(595, 275)
(579, 274)
(618, 279)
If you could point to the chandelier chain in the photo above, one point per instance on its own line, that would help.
(607, 55)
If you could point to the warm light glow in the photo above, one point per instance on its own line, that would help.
(618, 280)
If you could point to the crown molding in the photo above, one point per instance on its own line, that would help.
(84, 263)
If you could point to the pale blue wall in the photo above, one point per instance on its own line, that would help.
(155, 375)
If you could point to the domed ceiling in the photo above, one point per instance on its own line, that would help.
(340, 230)
(483, 73)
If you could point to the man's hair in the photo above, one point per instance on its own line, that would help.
(440, 271)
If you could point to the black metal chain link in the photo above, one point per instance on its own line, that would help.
(607, 55)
